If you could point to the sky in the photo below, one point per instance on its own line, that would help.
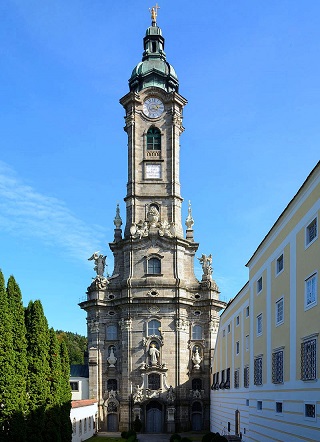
(250, 71)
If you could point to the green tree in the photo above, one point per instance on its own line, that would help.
(20, 364)
(53, 412)
(38, 381)
(65, 404)
(7, 373)
(76, 345)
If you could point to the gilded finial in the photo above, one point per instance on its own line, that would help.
(154, 13)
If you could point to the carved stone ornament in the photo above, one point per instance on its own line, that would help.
(206, 262)
(93, 325)
(153, 293)
(112, 359)
(189, 220)
(196, 359)
(125, 324)
(142, 229)
(154, 309)
(170, 395)
(117, 220)
(182, 325)
(99, 283)
(100, 263)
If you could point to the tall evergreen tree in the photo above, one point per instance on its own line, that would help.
(66, 427)
(7, 374)
(54, 400)
(38, 382)
(20, 364)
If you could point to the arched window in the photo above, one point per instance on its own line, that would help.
(197, 332)
(154, 381)
(196, 384)
(153, 327)
(74, 426)
(154, 266)
(153, 139)
(85, 425)
(80, 427)
(112, 332)
(112, 384)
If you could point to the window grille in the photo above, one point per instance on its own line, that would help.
(258, 371)
(74, 426)
(259, 324)
(80, 427)
(310, 410)
(89, 423)
(277, 367)
(309, 360)
(236, 379)
(246, 377)
(311, 231)
(112, 407)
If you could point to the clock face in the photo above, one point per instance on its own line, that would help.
(153, 107)
(153, 171)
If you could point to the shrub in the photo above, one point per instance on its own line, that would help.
(209, 437)
(124, 434)
(137, 424)
(186, 439)
(175, 437)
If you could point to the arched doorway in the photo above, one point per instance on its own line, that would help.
(112, 424)
(196, 416)
(154, 417)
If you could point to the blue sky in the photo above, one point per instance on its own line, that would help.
(250, 71)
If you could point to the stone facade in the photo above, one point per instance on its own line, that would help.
(152, 325)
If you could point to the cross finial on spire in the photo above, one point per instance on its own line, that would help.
(154, 13)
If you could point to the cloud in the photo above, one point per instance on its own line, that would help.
(26, 212)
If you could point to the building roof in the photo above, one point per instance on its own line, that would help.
(83, 403)
(79, 371)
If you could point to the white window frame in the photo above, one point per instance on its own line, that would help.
(237, 347)
(307, 374)
(280, 257)
(237, 321)
(247, 311)
(278, 358)
(223, 332)
(307, 232)
(259, 282)
(313, 277)
(259, 321)
(279, 302)
(229, 328)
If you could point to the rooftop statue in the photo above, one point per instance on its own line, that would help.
(206, 262)
(154, 12)
(100, 263)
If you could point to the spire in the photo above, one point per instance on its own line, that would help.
(153, 70)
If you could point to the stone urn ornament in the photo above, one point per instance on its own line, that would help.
(196, 359)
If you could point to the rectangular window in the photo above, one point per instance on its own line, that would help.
(227, 383)
(247, 311)
(277, 367)
(259, 405)
(309, 360)
(237, 347)
(236, 379)
(311, 232)
(259, 325)
(247, 402)
(223, 333)
(246, 376)
(279, 407)
(311, 291)
(258, 371)
(310, 411)
(74, 386)
(279, 264)
(247, 343)
(279, 312)
(237, 320)
(259, 285)
(229, 328)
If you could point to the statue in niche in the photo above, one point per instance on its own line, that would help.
(170, 395)
(206, 262)
(196, 359)
(154, 354)
(153, 216)
(100, 263)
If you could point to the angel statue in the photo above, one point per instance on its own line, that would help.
(206, 262)
(100, 263)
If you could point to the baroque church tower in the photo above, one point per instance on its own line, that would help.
(152, 325)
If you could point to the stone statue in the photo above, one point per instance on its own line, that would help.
(170, 395)
(112, 359)
(206, 262)
(137, 394)
(100, 263)
(196, 359)
(154, 354)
